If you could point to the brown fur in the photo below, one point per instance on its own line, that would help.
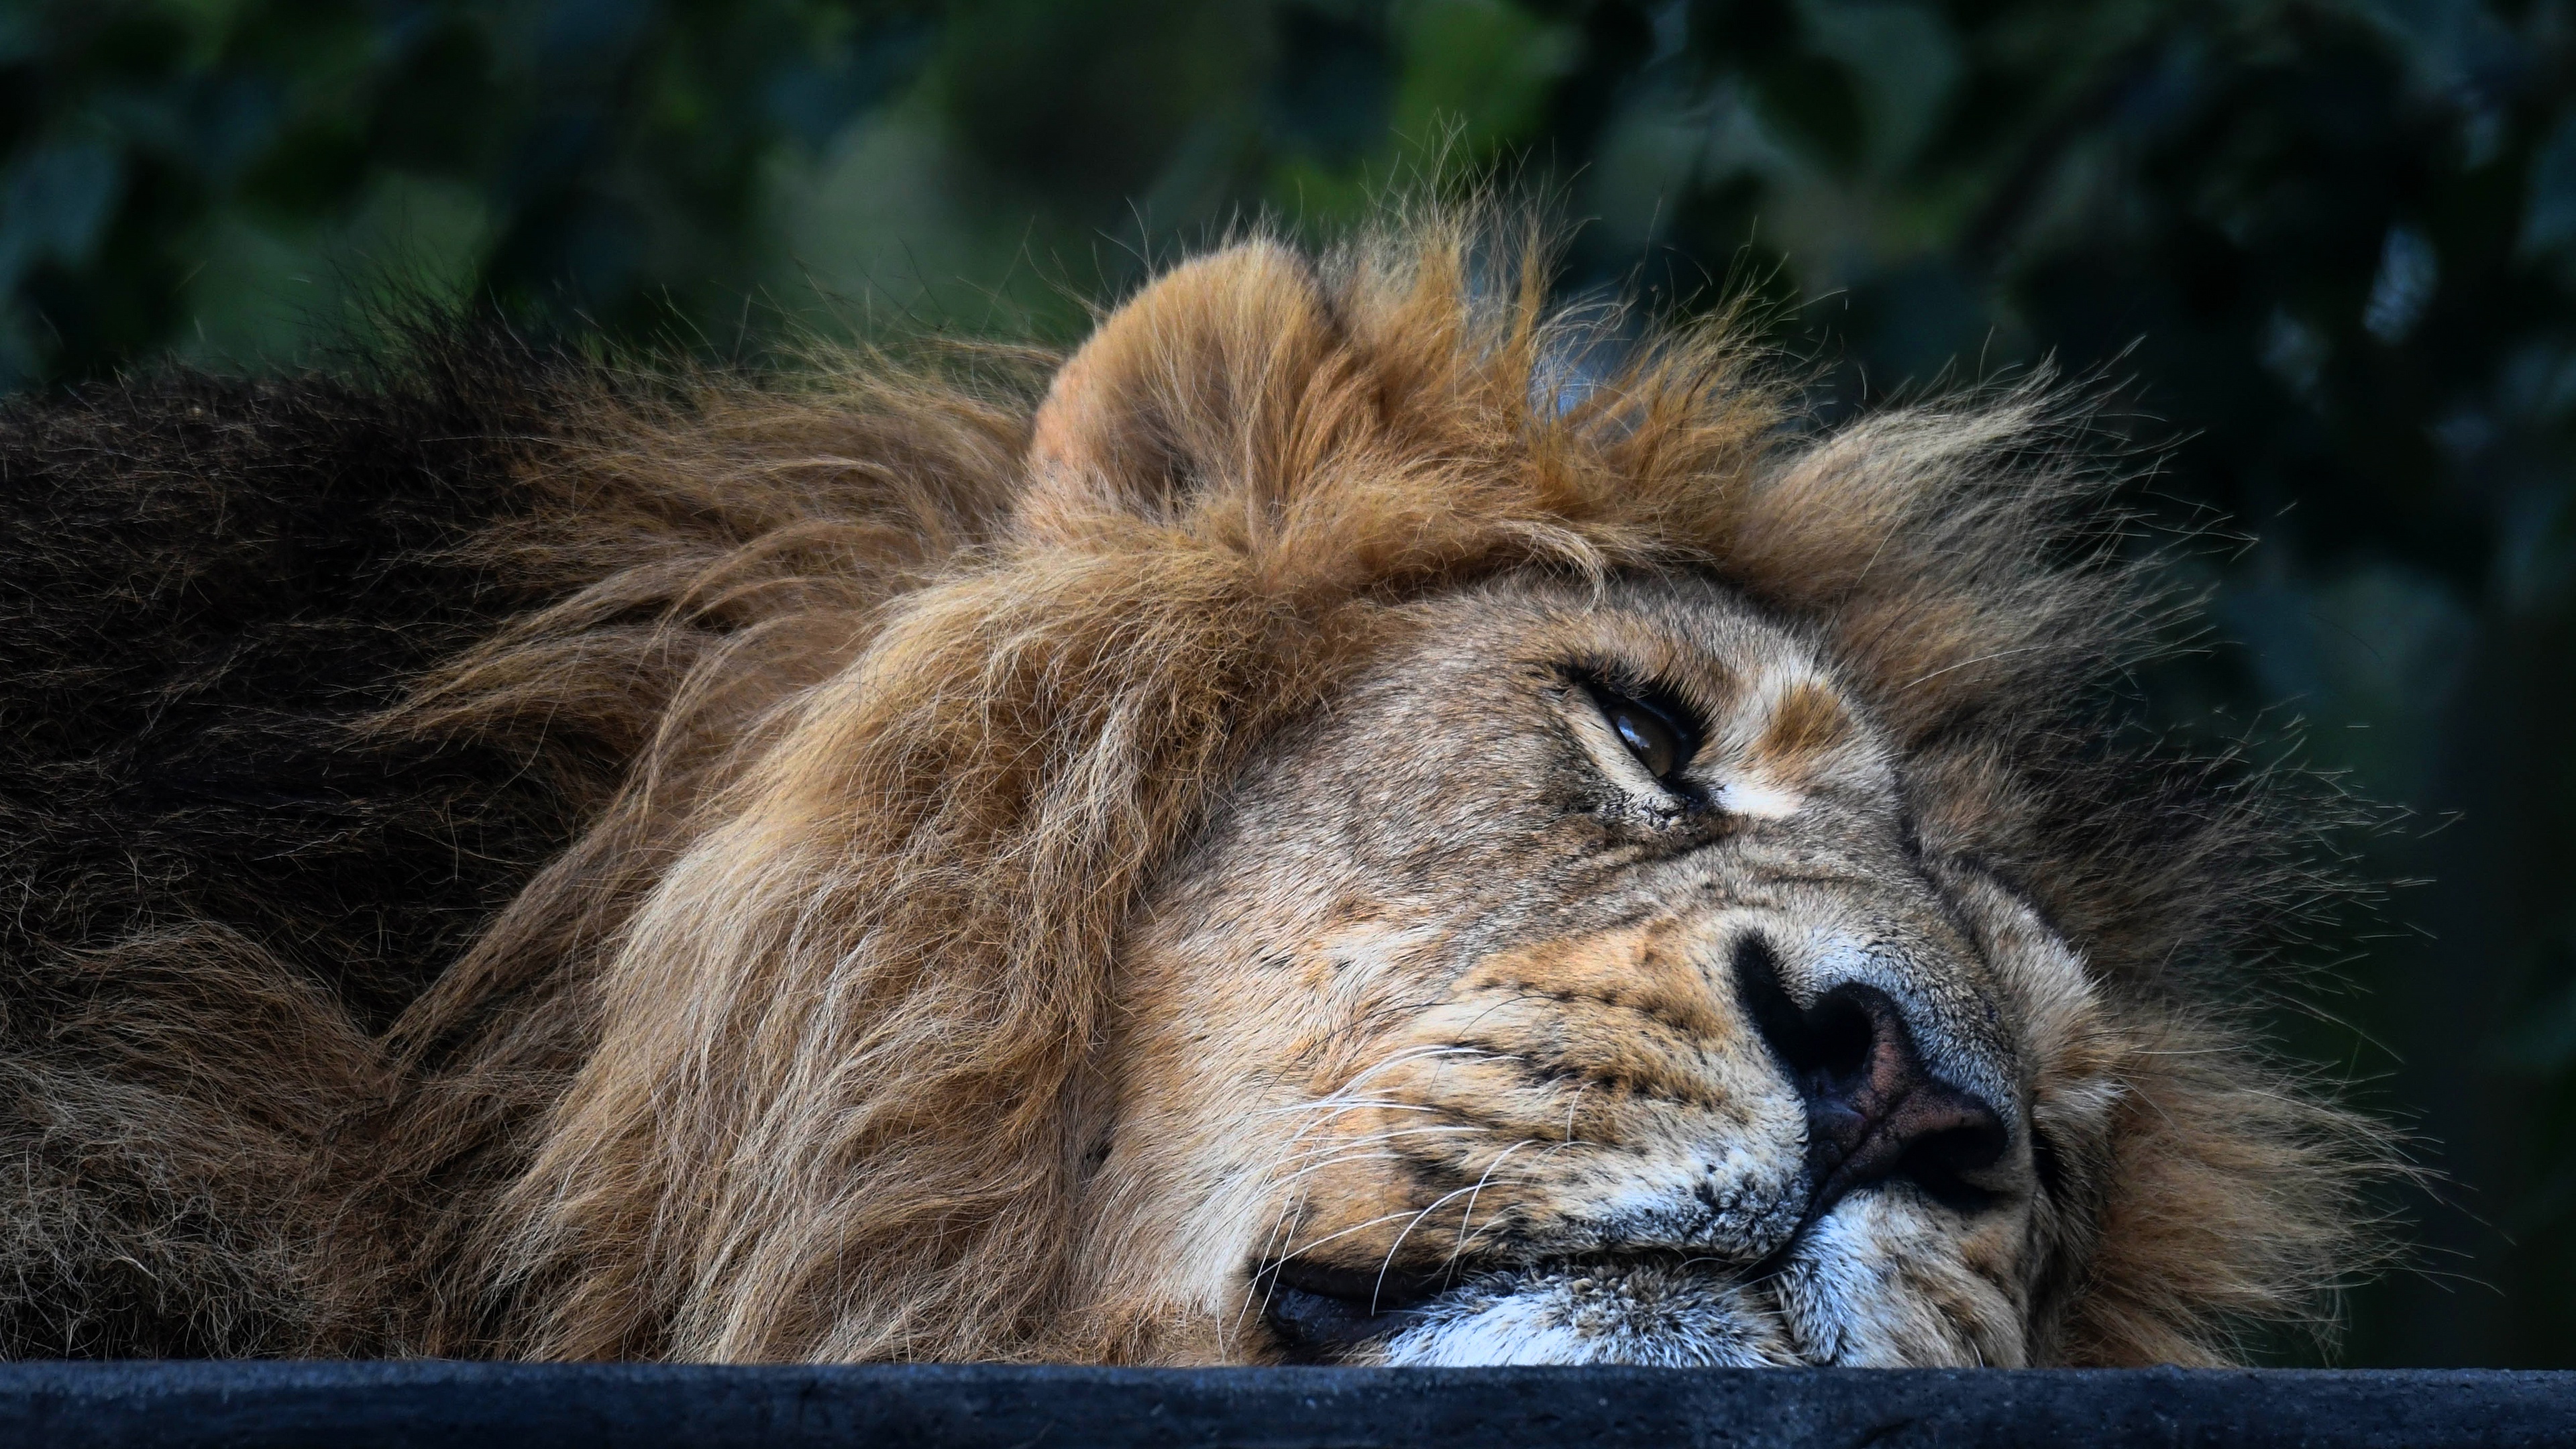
(892, 695)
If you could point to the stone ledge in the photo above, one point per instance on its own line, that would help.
(507, 1406)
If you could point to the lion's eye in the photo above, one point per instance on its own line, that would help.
(1659, 741)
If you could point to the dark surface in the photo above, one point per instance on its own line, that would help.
(172, 1404)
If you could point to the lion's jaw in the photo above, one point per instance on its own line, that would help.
(1449, 1045)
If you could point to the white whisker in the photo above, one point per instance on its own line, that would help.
(1468, 1217)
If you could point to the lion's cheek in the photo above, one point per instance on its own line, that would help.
(1205, 1140)
(1162, 1237)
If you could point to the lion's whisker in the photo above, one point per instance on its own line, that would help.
(1468, 1217)
(1387, 1264)
(1304, 1248)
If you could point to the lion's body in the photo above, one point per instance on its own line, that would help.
(215, 893)
(504, 860)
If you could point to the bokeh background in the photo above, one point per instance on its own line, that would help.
(2328, 245)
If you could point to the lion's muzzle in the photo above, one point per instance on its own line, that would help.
(1698, 1161)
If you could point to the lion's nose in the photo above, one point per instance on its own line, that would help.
(1874, 1111)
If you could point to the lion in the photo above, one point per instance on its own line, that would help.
(1362, 817)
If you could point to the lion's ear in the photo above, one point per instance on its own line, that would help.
(1202, 383)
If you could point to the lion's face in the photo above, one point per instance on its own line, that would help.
(1574, 990)
(1379, 854)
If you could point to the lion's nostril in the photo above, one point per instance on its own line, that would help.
(1874, 1111)
(1941, 1159)
(1839, 1035)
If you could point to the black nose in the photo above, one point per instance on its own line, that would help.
(1873, 1111)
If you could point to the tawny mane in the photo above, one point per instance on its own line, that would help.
(883, 691)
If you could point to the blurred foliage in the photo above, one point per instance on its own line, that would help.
(226, 171)
(2333, 242)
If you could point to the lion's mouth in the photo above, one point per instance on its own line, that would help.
(1682, 1312)
(1321, 1313)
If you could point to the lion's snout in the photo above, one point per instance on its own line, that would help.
(1875, 1110)
(1621, 1144)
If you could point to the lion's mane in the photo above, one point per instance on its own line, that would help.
(648, 885)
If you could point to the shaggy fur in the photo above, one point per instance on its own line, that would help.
(508, 858)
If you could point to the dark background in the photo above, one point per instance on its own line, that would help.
(2331, 247)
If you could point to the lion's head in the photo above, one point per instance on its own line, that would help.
(1362, 826)
(1576, 988)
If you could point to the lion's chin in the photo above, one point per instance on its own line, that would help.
(1650, 1314)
